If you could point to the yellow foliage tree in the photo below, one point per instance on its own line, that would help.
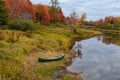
(82, 20)
(75, 21)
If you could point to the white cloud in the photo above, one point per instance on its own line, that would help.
(64, 1)
(95, 9)
(40, 1)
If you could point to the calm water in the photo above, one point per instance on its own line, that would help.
(99, 58)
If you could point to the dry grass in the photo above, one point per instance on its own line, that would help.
(10, 36)
(32, 60)
(18, 63)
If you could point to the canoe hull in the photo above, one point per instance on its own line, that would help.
(51, 59)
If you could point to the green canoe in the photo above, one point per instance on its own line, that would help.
(51, 59)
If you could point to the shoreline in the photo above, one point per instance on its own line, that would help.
(63, 69)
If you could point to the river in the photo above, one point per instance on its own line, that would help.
(97, 58)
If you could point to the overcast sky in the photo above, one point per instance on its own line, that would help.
(95, 9)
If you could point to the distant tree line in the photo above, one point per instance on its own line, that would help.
(108, 22)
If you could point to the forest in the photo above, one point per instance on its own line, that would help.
(19, 9)
(109, 22)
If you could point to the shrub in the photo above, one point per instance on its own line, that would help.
(22, 25)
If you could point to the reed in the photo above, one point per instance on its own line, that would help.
(10, 36)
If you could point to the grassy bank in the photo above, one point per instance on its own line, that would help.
(19, 51)
(107, 31)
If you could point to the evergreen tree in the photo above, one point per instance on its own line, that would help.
(55, 9)
(3, 13)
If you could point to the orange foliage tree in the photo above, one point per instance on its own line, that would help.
(20, 9)
(46, 14)
(42, 13)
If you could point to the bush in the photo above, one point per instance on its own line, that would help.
(22, 25)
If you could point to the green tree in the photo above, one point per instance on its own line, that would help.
(3, 13)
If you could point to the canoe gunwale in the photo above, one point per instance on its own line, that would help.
(51, 59)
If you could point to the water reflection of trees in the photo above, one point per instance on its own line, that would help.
(109, 39)
(76, 50)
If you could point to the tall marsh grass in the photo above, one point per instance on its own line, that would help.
(10, 36)
(15, 45)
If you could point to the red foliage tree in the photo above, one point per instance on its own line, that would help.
(51, 15)
(20, 9)
(100, 22)
(106, 20)
(61, 16)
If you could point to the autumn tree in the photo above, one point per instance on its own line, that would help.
(42, 13)
(46, 14)
(55, 9)
(51, 14)
(76, 21)
(3, 13)
(117, 22)
(21, 9)
(109, 19)
(61, 16)
(73, 21)
(82, 19)
(100, 22)
(55, 13)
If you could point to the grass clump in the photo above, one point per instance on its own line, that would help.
(10, 36)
